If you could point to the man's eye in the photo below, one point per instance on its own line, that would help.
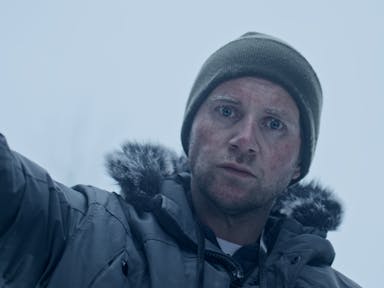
(226, 111)
(274, 124)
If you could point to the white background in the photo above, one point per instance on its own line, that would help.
(78, 78)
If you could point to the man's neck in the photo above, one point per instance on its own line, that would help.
(242, 228)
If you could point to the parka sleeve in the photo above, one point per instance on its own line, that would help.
(37, 215)
(12, 183)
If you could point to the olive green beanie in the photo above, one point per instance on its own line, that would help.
(264, 56)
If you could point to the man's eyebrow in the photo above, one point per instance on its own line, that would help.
(279, 113)
(226, 98)
(275, 111)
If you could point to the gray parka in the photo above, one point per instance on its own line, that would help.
(60, 237)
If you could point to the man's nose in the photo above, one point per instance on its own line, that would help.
(246, 137)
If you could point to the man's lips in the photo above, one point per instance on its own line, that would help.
(237, 169)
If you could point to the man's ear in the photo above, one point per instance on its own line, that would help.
(297, 172)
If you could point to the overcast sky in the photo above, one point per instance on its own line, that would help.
(78, 78)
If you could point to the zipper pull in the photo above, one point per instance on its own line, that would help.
(237, 276)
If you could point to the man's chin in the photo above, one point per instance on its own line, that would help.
(235, 209)
(234, 203)
(235, 189)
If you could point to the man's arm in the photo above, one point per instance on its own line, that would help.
(12, 184)
(37, 216)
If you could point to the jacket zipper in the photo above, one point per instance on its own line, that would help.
(235, 270)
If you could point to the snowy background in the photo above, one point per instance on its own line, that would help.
(78, 78)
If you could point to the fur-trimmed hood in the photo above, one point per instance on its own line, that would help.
(140, 168)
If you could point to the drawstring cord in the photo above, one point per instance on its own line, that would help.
(200, 256)
(200, 261)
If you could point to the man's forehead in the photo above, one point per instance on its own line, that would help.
(228, 90)
(249, 82)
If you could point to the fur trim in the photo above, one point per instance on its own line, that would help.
(311, 205)
(140, 168)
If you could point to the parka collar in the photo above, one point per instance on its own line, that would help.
(140, 170)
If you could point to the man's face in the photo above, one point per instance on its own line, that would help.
(244, 145)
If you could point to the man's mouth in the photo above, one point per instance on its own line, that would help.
(237, 169)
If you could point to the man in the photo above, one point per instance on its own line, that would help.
(233, 215)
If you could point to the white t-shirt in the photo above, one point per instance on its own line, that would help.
(228, 247)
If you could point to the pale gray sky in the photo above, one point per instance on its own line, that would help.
(77, 78)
